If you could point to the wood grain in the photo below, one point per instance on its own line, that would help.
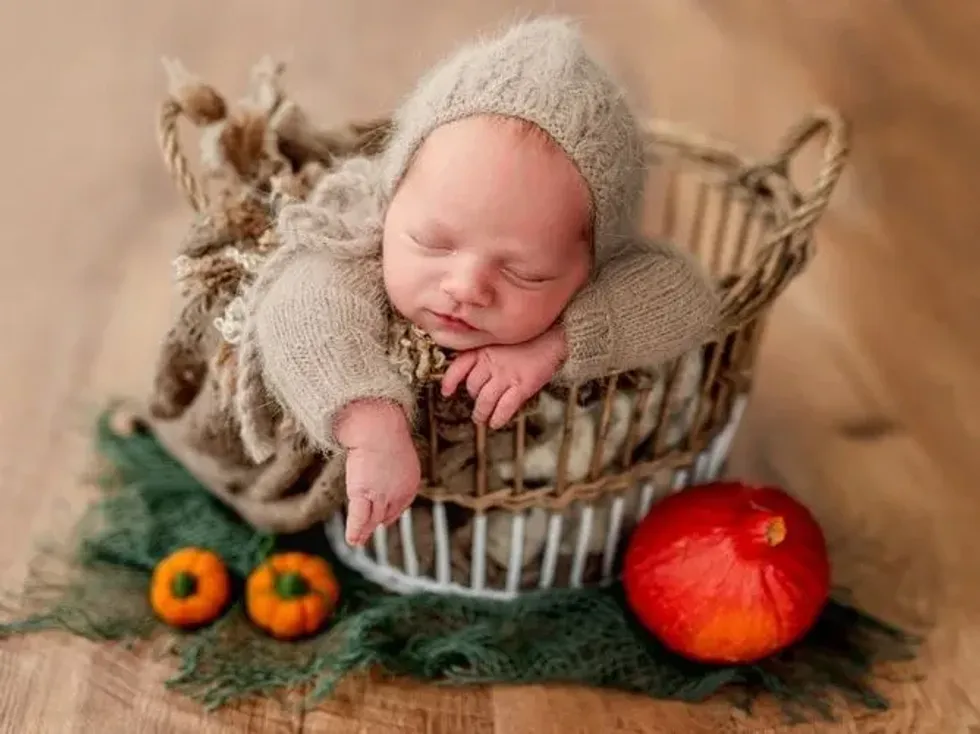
(869, 384)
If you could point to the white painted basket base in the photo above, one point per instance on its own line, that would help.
(373, 563)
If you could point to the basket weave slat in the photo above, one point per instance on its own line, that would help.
(595, 462)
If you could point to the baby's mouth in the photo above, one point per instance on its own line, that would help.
(453, 323)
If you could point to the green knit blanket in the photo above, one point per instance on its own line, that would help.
(96, 586)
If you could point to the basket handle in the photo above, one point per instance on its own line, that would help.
(187, 97)
(174, 158)
(754, 290)
(835, 152)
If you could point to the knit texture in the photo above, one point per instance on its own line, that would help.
(318, 321)
(324, 327)
(541, 72)
(648, 305)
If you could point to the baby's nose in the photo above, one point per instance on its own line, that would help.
(470, 284)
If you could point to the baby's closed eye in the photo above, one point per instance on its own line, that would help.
(430, 244)
(528, 278)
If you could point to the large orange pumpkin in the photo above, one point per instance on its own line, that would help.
(727, 573)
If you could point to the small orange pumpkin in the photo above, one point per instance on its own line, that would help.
(291, 594)
(190, 587)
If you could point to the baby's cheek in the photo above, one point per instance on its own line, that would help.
(400, 283)
(531, 313)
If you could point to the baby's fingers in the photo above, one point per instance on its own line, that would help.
(457, 372)
(510, 402)
(363, 516)
(395, 509)
(476, 381)
(358, 518)
(487, 399)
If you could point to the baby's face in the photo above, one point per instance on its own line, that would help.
(485, 241)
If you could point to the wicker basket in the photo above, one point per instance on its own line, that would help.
(548, 500)
(752, 228)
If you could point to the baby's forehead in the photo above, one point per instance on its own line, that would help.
(507, 146)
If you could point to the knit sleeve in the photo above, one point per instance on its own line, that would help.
(649, 304)
(321, 330)
(315, 328)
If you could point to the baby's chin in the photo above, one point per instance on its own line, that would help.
(459, 342)
(459, 339)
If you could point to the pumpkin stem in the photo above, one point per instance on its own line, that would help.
(183, 585)
(291, 585)
(775, 531)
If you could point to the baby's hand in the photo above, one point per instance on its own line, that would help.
(383, 470)
(502, 378)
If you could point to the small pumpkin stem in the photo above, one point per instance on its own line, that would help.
(183, 585)
(291, 585)
(775, 531)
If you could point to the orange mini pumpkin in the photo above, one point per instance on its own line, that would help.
(190, 587)
(726, 572)
(291, 594)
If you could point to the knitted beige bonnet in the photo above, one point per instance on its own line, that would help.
(538, 71)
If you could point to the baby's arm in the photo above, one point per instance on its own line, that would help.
(318, 324)
(320, 329)
(648, 305)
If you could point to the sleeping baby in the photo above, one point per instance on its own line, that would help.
(502, 219)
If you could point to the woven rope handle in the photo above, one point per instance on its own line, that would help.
(173, 155)
(787, 249)
(835, 151)
(201, 105)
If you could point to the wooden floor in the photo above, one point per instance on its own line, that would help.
(868, 396)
